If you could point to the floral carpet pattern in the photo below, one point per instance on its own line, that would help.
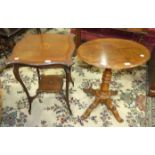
(50, 110)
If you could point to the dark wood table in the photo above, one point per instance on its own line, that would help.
(44, 51)
(110, 54)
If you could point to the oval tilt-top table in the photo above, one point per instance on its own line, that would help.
(44, 51)
(110, 54)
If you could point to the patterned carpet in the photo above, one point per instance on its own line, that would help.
(49, 109)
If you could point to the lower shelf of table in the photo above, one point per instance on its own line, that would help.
(50, 83)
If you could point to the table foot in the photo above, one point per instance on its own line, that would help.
(113, 109)
(68, 105)
(29, 111)
(90, 109)
(70, 112)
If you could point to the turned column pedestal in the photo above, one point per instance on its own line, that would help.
(103, 96)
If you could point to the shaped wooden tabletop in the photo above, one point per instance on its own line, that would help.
(43, 49)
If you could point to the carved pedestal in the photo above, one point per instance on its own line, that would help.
(102, 96)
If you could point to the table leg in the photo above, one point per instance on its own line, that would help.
(38, 73)
(113, 110)
(90, 108)
(68, 78)
(18, 78)
(30, 98)
(103, 96)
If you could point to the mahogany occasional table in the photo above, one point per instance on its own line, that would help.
(111, 54)
(44, 51)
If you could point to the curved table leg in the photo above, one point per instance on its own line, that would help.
(90, 108)
(113, 109)
(30, 98)
(38, 73)
(18, 78)
(68, 75)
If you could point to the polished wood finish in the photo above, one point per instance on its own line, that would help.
(50, 83)
(113, 53)
(110, 54)
(44, 51)
(151, 74)
(103, 95)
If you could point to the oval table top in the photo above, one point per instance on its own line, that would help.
(113, 53)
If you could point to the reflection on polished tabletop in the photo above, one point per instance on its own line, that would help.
(43, 49)
(113, 53)
(110, 53)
